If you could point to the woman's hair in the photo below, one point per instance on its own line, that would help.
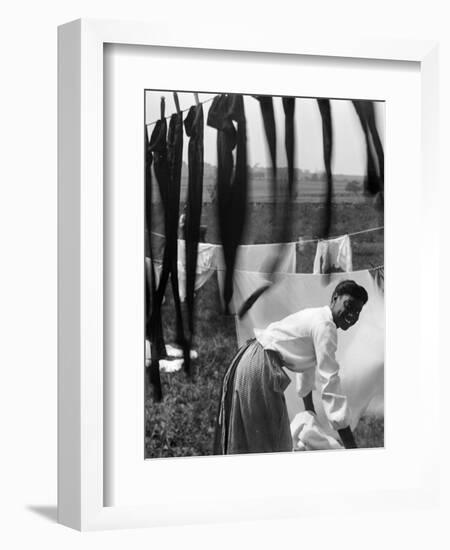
(352, 289)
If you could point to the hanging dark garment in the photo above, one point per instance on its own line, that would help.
(289, 139)
(268, 116)
(374, 180)
(158, 148)
(193, 125)
(327, 137)
(231, 187)
(175, 158)
(149, 294)
(149, 245)
(157, 152)
(167, 160)
(283, 208)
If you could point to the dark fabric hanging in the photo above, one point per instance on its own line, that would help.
(193, 125)
(158, 148)
(148, 159)
(167, 160)
(156, 152)
(289, 139)
(232, 187)
(283, 208)
(149, 279)
(175, 158)
(268, 116)
(327, 137)
(374, 180)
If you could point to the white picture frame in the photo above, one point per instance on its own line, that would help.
(81, 479)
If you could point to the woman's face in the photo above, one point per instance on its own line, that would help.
(345, 310)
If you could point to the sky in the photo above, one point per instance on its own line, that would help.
(349, 155)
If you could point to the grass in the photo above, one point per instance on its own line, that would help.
(370, 432)
(183, 423)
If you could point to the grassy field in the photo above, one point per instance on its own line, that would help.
(183, 423)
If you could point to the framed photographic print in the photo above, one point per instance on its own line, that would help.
(242, 226)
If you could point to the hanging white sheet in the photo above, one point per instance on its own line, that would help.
(206, 266)
(258, 258)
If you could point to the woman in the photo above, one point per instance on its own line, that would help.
(253, 417)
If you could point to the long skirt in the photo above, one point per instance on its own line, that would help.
(252, 416)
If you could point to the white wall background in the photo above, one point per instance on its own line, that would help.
(28, 272)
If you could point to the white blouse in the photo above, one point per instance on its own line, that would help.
(307, 343)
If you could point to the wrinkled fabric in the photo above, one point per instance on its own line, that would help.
(149, 288)
(260, 258)
(360, 350)
(333, 255)
(327, 138)
(308, 435)
(175, 157)
(252, 416)
(167, 161)
(157, 150)
(232, 186)
(206, 266)
(194, 129)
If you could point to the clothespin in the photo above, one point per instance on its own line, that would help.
(177, 103)
(163, 106)
(197, 101)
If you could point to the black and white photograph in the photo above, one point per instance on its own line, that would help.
(264, 273)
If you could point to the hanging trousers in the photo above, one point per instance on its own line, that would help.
(232, 188)
(327, 137)
(156, 151)
(374, 181)
(167, 160)
(193, 125)
(175, 158)
(268, 117)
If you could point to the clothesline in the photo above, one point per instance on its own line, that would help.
(300, 241)
(183, 111)
(215, 268)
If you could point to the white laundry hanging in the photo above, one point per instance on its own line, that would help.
(258, 258)
(206, 266)
(333, 255)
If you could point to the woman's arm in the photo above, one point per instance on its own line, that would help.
(328, 381)
(347, 438)
(309, 403)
